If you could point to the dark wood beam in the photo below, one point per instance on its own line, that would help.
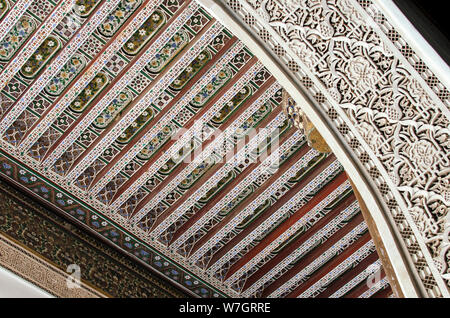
(181, 166)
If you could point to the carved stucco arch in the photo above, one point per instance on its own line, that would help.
(383, 107)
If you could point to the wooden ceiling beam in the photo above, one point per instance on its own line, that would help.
(384, 293)
(134, 101)
(343, 204)
(222, 194)
(190, 123)
(314, 172)
(169, 106)
(322, 194)
(332, 264)
(207, 175)
(340, 282)
(203, 146)
(361, 288)
(242, 205)
(314, 254)
(97, 57)
(49, 63)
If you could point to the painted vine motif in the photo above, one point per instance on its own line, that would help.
(140, 122)
(82, 101)
(84, 8)
(232, 105)
(161, 138)
(68, 72)
(168, 52)
(40, 57)
(196, 65)
(145, 33)
(211, 88)
(114, 110)
(16, 37)
(115, 20)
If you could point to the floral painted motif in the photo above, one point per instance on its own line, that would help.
(40, 57)
(161, 138)
(253, 120)
(212, 88)
(85, 7)
(16, 37)
(145, 33)
(192, 177)
(168, 52)
(196, 65)
(88, 94)
(118, 17)
(114, 109)
(213, 191)
(136, 126)
(254, 215)
(232, 105)
(4, 7)
(71, 69)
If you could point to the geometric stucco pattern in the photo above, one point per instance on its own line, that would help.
(386, 103)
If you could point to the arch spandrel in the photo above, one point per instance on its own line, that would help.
(380, 107)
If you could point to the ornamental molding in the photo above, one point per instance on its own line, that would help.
(379, 105)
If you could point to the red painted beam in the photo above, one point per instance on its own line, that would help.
(285, 252)
(313, 255)
(198, 115)
(300, 153)
(332, 264)
(339, 282)
(384, 293)
(361, 288)
(322, 165)
(234, 183)
(172, 103)
(322, 194)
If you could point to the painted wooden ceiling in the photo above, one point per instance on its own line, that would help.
(132, 117)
